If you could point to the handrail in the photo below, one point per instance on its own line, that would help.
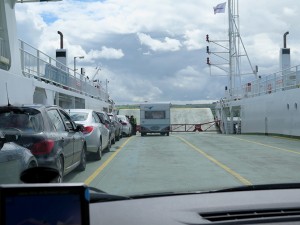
(42, 67)
(279, 81)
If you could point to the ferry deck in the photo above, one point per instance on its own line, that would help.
(195, 161)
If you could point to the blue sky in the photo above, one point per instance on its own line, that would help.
(156, 50)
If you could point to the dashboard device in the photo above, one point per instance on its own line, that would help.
(44, 204)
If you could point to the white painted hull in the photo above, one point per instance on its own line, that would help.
(275, 113)
(21, 90)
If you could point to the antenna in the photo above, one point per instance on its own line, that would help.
(8, 104)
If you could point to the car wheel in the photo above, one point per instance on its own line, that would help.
(60, 168)
(168, 134)
(98, 154)
(118, 137)
(82, 164)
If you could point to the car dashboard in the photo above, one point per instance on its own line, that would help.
(79, 204)
(241, 207)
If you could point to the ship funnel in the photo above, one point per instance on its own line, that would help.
(285, 57)
(284, 39)
(61, 55)
(61, 39)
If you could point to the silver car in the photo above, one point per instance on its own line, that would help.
(95, 133)
(13, 160)
(117, 125)
(126, 126)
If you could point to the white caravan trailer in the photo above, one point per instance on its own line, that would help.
(155, 118)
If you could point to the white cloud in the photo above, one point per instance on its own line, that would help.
(167, 44)
(189, 78)
(106, 53)
(289, 11)
(194, 39)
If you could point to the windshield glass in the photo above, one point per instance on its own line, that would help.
(206, 93)
(27, 120)
(78, 116)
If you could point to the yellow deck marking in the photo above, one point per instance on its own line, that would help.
(269, 146)
(226, 168)
(287, 138)
(96, 173)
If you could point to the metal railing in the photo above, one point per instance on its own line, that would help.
(279, 81)
(46, 69)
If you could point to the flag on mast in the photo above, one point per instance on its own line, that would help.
(220, 8)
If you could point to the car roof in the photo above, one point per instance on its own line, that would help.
(79, 110)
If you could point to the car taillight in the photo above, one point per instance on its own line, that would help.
(124, 123)
(88, 129)
(42, 147)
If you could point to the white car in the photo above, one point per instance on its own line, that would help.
(126, 126)
(95, 133)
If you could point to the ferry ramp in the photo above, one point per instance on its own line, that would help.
(182, 119)
(185, 119)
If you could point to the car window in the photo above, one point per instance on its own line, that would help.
(78, 116)
(101, 118)
(25, 120)
(67, 120)
(96, 119)
(56, 120)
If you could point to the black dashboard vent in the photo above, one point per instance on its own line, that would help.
(250, 214)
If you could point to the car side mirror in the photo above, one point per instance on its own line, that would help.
(79, 127)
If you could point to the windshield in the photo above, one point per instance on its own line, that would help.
(25, 120)
(205, 94)
(78, 116)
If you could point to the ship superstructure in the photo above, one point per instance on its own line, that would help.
(28, 76)
(265, 105)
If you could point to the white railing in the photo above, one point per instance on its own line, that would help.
(46, 69)
(280, 81)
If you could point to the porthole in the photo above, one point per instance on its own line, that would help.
(288, 106)
(296, 106)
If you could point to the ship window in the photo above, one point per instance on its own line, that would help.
(296, 106)
(288, 106)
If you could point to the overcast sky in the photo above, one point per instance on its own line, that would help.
(155, 50)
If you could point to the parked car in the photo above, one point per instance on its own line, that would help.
(50, 134)
(126, 126)
(15, 159)
(95, 133)
(108, 124)
(117, 125)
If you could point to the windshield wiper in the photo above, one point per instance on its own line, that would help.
(260, 187)
(97, 195)
(233, 189)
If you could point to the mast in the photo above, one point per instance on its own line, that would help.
(237, 50)
(234, 47)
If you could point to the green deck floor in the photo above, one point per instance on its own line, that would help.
(192, 161)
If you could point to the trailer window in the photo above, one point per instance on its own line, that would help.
(155, 114)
